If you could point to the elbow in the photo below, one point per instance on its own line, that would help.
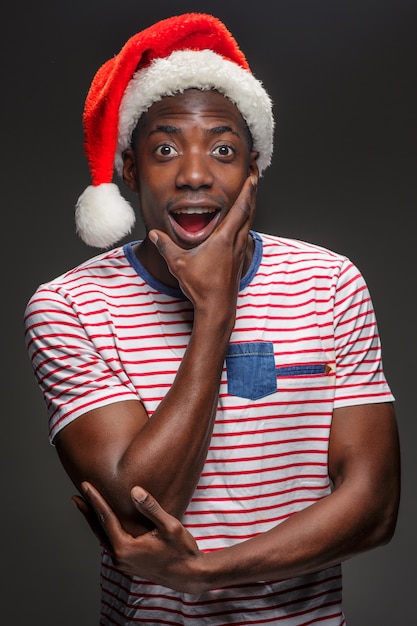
(382, 533)
(390, 508)
(387, 525)
(376, 516)
(385, 522)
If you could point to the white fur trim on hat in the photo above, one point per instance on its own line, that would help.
(103, 216)
(204, 69)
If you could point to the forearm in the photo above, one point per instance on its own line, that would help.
(168, 453)
(118, 445)
(354, 518)
(360, 513)
(328, 532)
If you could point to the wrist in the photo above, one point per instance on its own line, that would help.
(217, 320)
(202, 578)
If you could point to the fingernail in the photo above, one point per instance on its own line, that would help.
(153, 236)
(139, 495)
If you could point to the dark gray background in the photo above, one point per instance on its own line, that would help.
(343, 76)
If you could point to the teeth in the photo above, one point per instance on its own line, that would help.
(193, 210)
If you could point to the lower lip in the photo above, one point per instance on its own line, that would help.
(198, 236)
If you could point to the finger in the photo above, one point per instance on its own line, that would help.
(92, 520)
(105, 514)
(166, 247)
(150, 508)
(241, 214)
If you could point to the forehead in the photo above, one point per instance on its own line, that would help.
(194, 104)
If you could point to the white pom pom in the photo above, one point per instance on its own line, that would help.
(103, 216)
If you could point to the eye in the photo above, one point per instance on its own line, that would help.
(223, 151)
(165, 150)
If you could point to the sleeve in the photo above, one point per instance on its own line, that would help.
(69, 366)
(360, 377)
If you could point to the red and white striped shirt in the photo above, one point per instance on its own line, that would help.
(304, 343)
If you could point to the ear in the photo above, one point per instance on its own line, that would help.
(253, 164)
(129, 170)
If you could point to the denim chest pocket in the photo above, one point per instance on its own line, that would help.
(251, 369)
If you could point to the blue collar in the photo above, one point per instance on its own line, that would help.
(177, 293)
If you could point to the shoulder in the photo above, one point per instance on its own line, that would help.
(301, 261)
(293, 254)
(102, 265)
(273, 244)
(81, 289)
(93, 272)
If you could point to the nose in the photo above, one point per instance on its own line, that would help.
(194, 171)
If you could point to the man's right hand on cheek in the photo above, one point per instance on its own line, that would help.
(212, 270)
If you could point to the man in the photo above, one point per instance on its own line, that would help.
(216, 395)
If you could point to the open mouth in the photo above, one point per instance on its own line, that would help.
(194, 219)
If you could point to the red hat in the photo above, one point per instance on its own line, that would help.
(193, 50)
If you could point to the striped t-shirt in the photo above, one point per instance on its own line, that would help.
(305, 342)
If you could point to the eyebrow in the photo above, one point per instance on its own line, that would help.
(174, 130)
(166, 128)
(219, 130)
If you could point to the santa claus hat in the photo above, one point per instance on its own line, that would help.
(193, 50)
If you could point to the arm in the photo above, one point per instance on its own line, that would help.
(118, 446)
(358, 515)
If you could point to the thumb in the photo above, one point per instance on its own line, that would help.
(162, 242)
(172, 253)
(149, 507)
